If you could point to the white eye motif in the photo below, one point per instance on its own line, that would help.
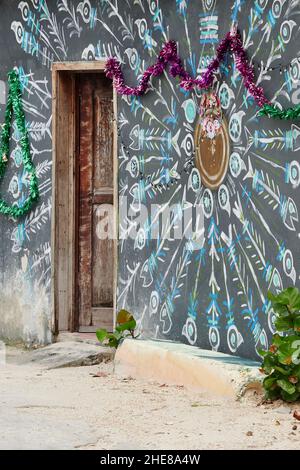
(14, 187)
(204, 61)
(146, 274)
(36, 3)
(235, 126)
(277, 8)
(23, 6)
(85, 9)
(188, 145)
(295, 71)
(190, 110)
(189, 330)
(271, 321)
(16, 155)
(89, 53)
(133, 167)
(165, 318)
(135, 206)
(140, 240)
(234, 338)
(288, 265)
(214, 338)
(153, 5)
(195, 180)
(133, 58)
(142, 27)
(154, 303)
(134, 137)
(294, 173)
(208, 203)
(226, 95)
(290, 214)
(296, 137)
(16, 135)
(235, 164)
(275, 283)
(18, 29)
(262, 342)
(86, 12)
(223, 198)
(286, 30)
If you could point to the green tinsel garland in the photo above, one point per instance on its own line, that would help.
(14, 105)
(272, 111)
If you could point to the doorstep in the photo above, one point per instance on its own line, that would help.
(66, 354)
(196, 369)
(89, 338)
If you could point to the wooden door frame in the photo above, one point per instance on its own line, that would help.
(64, 260)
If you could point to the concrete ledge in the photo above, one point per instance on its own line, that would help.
(178, 364)
(68, 354)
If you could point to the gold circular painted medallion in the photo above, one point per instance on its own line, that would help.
(212, 155)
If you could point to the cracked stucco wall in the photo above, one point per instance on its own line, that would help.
(25, 313)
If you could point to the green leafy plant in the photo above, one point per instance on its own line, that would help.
(281, 363)
(125, 328)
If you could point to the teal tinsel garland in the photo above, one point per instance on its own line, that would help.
(14, 106)
(272, 111)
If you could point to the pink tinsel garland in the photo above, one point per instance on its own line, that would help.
(169, 56)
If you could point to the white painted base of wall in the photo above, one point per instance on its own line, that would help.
(178, 364)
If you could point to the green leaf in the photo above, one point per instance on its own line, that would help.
(124, 316)
(290, 339)
(113, 342)
(286, 386)
(101, 335)
(272, 297)
(281, 362)
(268, 363)
(269, 382)
(296, 356)
(263, 352)
(273, 394)
(277, 340)
(284, 323)
(285, 347)
(114, 339)
(115, 335)
(290, 397)
(280, 310)
(297, 323)
(289, 298)
(282, 371)
(296, 371)
(128, 326)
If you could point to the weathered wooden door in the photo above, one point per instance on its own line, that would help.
(95, 202)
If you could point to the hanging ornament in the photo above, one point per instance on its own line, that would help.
(14, 106)
(168, 56)
(211, 141)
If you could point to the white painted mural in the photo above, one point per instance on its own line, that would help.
(216, 296)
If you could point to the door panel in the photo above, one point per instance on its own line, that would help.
(103, 141)
(103, 262)
(95, 218)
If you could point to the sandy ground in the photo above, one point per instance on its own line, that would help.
(89, 408)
